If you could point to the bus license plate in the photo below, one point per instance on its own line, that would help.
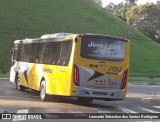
(101, 82)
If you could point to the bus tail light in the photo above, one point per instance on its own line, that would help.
(124, 79)
(76, 75)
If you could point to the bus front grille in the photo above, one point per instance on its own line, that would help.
(100, 93)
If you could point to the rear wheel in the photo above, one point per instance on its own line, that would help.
(44, 97)
(18, 86)
(84, 100)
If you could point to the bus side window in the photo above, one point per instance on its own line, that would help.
(33, 52)
(57, 51)
(15, 54)
(12, 52)
(53, 56)
(66, 53)
(25, 53)
(38, 48)
(20, 52)
(41, 47)
(47, 53)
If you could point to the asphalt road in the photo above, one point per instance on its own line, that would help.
(140, 99)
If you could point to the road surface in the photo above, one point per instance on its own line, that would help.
(140, 99)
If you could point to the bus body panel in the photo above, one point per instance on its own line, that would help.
(101, 79)
(12, 74)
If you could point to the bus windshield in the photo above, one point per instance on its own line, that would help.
(105, 49)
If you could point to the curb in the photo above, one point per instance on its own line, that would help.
(128, 83)
(4, 78)
(144, 83)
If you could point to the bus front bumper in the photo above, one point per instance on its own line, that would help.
(117, 94)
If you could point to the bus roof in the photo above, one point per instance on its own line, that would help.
(62, 36)
(46, 36)
(103, 36)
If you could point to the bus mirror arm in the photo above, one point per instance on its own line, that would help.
(11, 52)
(76, 40)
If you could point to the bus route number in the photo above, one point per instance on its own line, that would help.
(93, 65)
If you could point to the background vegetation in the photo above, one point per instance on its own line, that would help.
(21, 19)
(145, 17)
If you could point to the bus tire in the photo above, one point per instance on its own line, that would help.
(84, 100)
(18, 86)
(44, 97)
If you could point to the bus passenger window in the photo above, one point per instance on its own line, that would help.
(66, 53)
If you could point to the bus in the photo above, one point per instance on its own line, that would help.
(85, 66)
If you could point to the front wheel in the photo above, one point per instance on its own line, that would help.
(18, 86)
(44, 97)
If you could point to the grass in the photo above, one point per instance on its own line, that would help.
(31, 18)
(144, 80)
(4, 75)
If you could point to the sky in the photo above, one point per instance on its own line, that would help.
(106, 2)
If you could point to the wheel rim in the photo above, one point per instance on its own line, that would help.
(18, 84)
(43, 92)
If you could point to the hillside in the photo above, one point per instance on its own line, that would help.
(31, 18)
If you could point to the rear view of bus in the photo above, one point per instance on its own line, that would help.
(101, 67)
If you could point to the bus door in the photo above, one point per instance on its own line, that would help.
(63, 53)
(34, 68)
(13, 59)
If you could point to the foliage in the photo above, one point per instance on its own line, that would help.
(146, 18)
(158, 4)
(131, 1)
(120, 9)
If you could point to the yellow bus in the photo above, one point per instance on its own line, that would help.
(85, 66)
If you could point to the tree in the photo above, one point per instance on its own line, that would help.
(158, 4)
(131, 1)
(128, 5)
(99, 2)
(110, 7)
(146, 18)
(120, 9)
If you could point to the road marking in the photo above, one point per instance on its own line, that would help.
(149, 110)
(24, 111)
(156, 106)
(101, 110)
(77, 113)
(146, 98)
(2, 110)
(126, 110)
